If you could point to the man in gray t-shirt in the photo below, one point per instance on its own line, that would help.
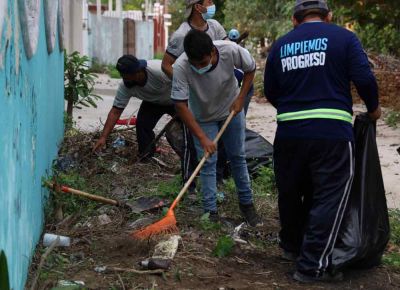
(146, 81)
(199, 14)
(204, 78)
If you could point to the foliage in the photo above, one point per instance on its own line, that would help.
(391, 259)
(224, 247)
(207, 225)
(4, 282)
(394, 218)
(393, 119)
(113, 72)
(377, 23)
(264, 183)
(79, 82)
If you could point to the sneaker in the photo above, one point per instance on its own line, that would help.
(326, 277)
(250, 215)
(289, 256)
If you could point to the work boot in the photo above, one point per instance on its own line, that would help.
(326, 277)
(214, 217)
(250, 215)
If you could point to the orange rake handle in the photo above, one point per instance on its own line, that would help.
(201, 163)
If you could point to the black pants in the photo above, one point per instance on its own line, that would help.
(314, 179)
(148, 116)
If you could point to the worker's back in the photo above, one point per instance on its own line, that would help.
(313, 67)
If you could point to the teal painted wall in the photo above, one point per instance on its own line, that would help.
(31, 128)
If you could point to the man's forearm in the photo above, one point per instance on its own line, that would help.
(112, 119)
(166, 65)
(248, 79)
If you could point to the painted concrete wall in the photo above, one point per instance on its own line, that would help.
(31, 123)
(106, 38)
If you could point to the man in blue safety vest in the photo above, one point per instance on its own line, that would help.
(307, 78)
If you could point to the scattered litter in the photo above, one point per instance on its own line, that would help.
(48, 239)
(146, 204)
(100, 269)
(236, 234)
(140, 223)
(104, 219)
(77, 257)
(115, 167)
(159, 162)
(64, 283)
(220, 196)
(164, 253)
(118, 192)
(65, 163)
(119, 142)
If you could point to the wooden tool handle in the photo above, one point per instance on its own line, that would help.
(202, 161)
(83, 194)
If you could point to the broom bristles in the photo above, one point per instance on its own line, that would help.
(164, 226)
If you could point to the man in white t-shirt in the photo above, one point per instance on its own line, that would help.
(205, 90)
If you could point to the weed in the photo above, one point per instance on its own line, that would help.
(168, 188)
(224, 247)
(264, 183)
(159, 55)
(394, 218)
(97, 67)
(177, 275)
(208, 225)
(113, 72)
(393, 119)
(391, 259)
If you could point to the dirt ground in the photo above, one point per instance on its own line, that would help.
(116, 174)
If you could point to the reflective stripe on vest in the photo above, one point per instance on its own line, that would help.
(316, 114)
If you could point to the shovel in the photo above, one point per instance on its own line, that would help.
(141, 205)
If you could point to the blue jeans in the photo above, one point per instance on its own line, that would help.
(234, 142)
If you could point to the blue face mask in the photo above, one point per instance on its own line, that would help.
(210, 12)
(202, 70)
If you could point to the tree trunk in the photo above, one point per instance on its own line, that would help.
(262, 42)
(70, 107)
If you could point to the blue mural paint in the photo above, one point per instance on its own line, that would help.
(31, 128)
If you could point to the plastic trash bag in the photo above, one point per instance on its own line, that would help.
(365, 229)
(259, 152)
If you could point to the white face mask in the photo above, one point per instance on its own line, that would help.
(210, 12)
(202, 70)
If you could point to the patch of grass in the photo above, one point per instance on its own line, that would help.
(98, 68)
(168, 188)
(207, 225)
(394, 218)
(264, 183)
(393, 119)
(391, 259)
(113, 72)
(224, 247)
(159, 55)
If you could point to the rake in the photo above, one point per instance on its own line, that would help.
(168, 224)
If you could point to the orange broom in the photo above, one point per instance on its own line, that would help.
(168, 223)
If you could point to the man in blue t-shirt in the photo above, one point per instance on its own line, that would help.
(307, 78)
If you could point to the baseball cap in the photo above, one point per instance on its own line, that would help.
(189, 7)
(310, 4)
(128, 64)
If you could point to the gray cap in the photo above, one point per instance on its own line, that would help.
(189, 7)
(310, 4)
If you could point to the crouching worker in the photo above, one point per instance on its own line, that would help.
(205, 90)
(146, 81)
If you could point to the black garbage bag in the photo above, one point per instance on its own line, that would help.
(365, 229)
(259, 152)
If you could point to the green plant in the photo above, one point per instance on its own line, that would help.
(224, 247)
(264, 183)
(391, 259)
(113, 72)
(393, 119)
(394, 218)
(78, 82)
(4, 282)
(207, 225)
(97, 67)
